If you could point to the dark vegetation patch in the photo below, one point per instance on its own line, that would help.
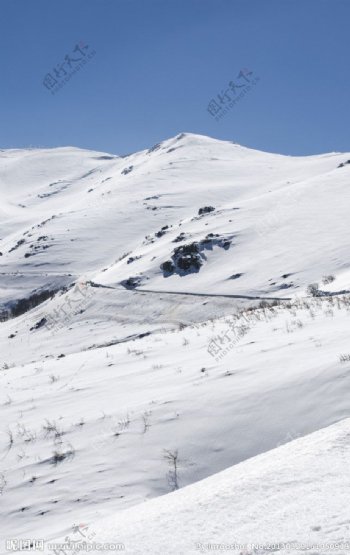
(20, 306)
(18, 244)
(45, 195)
(189, 258)
(286, 285)
(179, 238)
(59, 456)
(235, 276)
(154, 148)
(168, 267)
(205, 210)
(174, 148)
(105, 157)
(343, 164)
(36, 249)
(39, 324)
(131, 282)
(150, 239)
(39, 248)
(132, 259)
(214, 240)
(127, 170)
(45, 221)
(162, 231)
(133, 337)
(90, 173)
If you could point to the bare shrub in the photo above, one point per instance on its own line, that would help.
(313, 290)
(327, 279)
(172, 457)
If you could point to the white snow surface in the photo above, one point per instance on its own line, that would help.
(98, 381)
(293, 499)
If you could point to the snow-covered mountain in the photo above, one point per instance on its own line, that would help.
(157, 307)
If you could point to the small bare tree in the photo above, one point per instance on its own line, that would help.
(10, 439)
(172, 457)
(2, 483)
(145, 420)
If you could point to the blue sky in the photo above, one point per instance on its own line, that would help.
(158, 64)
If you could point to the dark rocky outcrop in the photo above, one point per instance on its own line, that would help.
(189, 258)
(205, 210)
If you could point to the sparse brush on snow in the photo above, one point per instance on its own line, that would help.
(50, 428)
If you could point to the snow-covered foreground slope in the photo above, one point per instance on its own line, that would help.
(293, 499)
(86, 434)
(110, 364)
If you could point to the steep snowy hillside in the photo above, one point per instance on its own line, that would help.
(157, 306)
(290, 500)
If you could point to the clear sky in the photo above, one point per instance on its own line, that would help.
(159, 63)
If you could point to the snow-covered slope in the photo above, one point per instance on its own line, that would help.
(85, 434)
(109, 360)
(77, 212)
(290, 500)
(73, 216)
